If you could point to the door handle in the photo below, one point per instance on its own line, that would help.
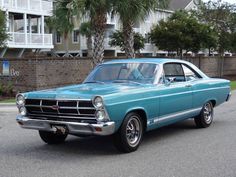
(188, 85)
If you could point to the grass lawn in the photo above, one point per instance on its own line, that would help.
(233, 85)
(10, 100)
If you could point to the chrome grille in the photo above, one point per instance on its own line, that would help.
(74, 110)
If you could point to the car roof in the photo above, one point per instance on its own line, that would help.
(157, 61)
(145, 60)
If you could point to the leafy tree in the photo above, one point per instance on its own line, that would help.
(87, 31)
(182, 31)
(117, 39)
(131, 12)
(63, 21)
(221, 16)
(233, 42)
(3, 31)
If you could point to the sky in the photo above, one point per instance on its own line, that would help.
(229, 1)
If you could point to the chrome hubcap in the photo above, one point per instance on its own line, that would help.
(208, 113)
(133, 131)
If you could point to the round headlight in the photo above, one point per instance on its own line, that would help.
(98, 102)
(22, 111)
(100, 115)
(20, 100)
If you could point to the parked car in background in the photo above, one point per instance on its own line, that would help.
(124, 98)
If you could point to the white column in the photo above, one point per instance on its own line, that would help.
(25, 27)
(2, 2)
(11, 27)
(38, 25)
(7, 20)
(30, 30)
(7, 25)
(42, 27)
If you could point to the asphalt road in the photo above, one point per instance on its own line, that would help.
(179, 150)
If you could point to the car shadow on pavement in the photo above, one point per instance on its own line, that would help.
(90, 147)
(103, 145)
(170, 131)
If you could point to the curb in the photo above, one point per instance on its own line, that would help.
(7, 104)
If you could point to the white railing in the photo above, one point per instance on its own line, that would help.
(29, 5)
(83, 44)
(32, 40)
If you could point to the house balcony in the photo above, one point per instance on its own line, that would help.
(37, 7)
(30, 40)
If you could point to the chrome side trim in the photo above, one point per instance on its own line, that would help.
(171, 116)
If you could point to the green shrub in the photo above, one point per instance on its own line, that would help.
(7, 90)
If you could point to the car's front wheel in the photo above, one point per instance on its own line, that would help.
(205, 118)
(51, 137)
(130, 134)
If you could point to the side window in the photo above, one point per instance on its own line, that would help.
(190, 74)
(174, 72)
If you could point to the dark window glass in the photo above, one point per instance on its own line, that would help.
(75, 36)
(58, 37)
(174, 72)
(190, 74)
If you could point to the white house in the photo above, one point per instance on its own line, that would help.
(144, 28)
(26, 25)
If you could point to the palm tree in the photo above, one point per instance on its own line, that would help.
(63, 21)
(131, 12)
(87, 31)
(96, 11)
(3, 30)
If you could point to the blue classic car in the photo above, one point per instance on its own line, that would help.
(124, 98)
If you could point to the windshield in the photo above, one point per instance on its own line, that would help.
(124, 72)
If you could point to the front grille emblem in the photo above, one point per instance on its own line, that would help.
(55, 107)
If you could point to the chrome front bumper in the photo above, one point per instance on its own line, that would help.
(76, 128)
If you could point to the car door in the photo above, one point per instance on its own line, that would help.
(198, 85)
(175, 94)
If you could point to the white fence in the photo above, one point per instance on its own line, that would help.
(29, 5)
(30, 40)
(83, 44)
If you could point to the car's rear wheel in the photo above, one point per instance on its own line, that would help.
(51, 137)
(205, 118)
(130, 134)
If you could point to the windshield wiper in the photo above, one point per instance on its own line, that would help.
(125, 81)
(90, 82)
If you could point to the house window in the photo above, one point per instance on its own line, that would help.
(75, 36)
(147, 38)
(58, 38)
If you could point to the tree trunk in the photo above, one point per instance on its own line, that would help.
(90, 46)
(128, 35)
(99, 24)
(66, 45)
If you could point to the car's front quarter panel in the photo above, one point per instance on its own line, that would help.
(120, 104)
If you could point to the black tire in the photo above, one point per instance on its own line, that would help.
(52, 138)
(129, 136)
(205, 118)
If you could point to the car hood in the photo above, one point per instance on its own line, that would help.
(82, 91)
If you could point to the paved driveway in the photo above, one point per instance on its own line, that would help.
(179, 150)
